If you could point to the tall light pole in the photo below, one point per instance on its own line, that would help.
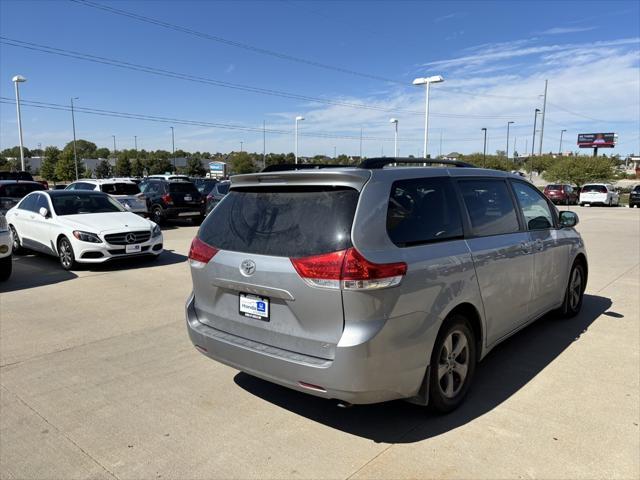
(114, 145)
(395, 137)
(560, 149)
(298, 119)
(173, 149)
(544, 111)
(484, 149)
(135, 143)
(16, 80)
(241, 146)
(73, 125)
(533, 142)
(427, 81)
(508, 123)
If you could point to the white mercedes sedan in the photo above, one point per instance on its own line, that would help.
(81, 227)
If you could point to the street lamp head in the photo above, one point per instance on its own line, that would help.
(537, 111)
(425, 80)
(18, 79)
(299, 119)
(509, 123)
(483, 129)
(393, 120)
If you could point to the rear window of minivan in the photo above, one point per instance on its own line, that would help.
(120, 188)
(594, 188)
(282, 221)
(182, 187)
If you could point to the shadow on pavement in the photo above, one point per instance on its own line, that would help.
(36, 270)
(501, 374)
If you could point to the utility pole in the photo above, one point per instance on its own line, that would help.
(560, 149)
(484, 150)
(507, 151)
(135, 143)
(544, 109)
(533, 143)
(73, 125)
(241, 146)
(334, 153)
(360, 143)
(173, 149)
(264, 144)
(440, 149)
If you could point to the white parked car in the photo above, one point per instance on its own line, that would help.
(5, 249)
(124, 190)
(81, 226)
(600, 194)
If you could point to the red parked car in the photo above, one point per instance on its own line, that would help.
(561, 194)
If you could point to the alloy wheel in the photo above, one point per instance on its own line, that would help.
(453, 363)
(66, 254)
(575, 289)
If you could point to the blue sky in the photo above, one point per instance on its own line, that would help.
(494, 56)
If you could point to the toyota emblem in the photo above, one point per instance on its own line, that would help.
(247, 267)
(130, 238)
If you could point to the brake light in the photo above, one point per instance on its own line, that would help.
(348, 270)
(201, 253)
(166, 198)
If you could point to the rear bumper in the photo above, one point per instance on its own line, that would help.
(376, 370)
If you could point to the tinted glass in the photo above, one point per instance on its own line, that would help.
(19, 190)
(85, 203)
(28, 203)
(490, 207)
(283, 221)
(636, 189)
(595, 188)
(205, 187)
(182, 187)
(223, 188)
(41, 201)
(535, 209)
(423, 210)
(554, 187)
(120, 188)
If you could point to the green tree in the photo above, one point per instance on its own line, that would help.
(103, 169)
(241, 162)
(65, 168)
(48, 166)
(195, 168)
(102, 153)
(123, 167)
(137, 168)
(14, 152)
(159, 165)
(84, 149)
(580, 170)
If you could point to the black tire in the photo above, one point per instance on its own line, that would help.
(574, 295)
(447, 390)
(157, 214)
(6, 265)
(65, 254)
(17, 244)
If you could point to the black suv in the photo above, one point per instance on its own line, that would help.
(171, 199)
(634, 197)
(12, 191)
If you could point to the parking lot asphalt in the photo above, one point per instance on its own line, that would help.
(98, 379)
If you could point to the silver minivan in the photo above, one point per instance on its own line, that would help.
(378, 282)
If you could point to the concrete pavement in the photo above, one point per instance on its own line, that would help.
(99, 380)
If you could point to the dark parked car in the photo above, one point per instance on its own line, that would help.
(204, 185)
(634, 197)
(172, 199)
(217, 193)
(12, 191)
(561, 194)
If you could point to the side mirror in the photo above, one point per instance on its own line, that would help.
(568, 219)
(44, 212)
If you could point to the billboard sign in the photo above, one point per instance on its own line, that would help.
(597, 140)
(217, 167)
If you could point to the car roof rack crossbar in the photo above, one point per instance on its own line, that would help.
(285, 167)
(376, 163)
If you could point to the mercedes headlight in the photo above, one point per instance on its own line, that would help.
(86, 237)
(156, 232)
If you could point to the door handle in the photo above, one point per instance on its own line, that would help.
(525, 247)
(539, 245)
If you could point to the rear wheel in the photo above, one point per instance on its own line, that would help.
(575, 292)
(453, 363)
(6, 265)
(157, 215)
(66, 255)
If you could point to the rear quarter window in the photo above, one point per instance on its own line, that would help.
(423, 210)
(283, 221)
(182, 187)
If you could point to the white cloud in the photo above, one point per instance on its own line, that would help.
(565, 30)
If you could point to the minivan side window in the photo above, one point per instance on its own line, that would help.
(423, 210)
(535, 209)
(490, 207)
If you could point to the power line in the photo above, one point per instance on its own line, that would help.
(199, 123)
(264, 51)
(232, 43)
(224, 84)
(580, 114)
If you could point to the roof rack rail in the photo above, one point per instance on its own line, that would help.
(285, 167)
(376, 163)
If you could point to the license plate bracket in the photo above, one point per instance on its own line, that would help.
(254, 306)
(133, 248)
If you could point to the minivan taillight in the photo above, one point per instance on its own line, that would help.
(200, 253)
(349, 270)
(166, 198)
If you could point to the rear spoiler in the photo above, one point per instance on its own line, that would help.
(352, 178)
